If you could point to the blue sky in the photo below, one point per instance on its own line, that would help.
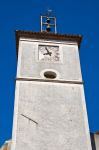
(73, 17)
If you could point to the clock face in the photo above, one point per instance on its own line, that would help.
(49, 53)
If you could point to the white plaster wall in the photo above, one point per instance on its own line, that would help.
(15, 116)
(59, 108)
(60, 112)
(30, 66)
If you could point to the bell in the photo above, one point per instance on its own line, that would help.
(48, 20)
(48, 28)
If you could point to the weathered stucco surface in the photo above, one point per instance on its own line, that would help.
(47, 115)
(30, 66)
(59, 110)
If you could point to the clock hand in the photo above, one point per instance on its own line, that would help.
(48, 52)
(29, 119)
(47, 49)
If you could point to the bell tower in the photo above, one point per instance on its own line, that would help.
(48, 23)
(50, 110)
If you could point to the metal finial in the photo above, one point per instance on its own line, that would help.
(49, 12)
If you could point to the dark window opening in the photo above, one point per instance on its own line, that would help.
(50, 74)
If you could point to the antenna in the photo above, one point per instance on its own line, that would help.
(48, 22)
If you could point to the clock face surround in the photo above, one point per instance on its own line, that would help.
(49, 53)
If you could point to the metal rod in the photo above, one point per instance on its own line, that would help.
(55, 26)
(48, 17)
(41, 23)
(48, 24)
(29, 119)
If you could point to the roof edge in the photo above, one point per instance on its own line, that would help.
(47, 36)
